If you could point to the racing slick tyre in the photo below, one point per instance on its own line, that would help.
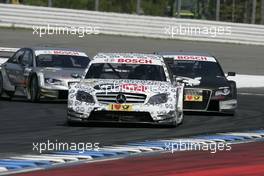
(173, 124)
(1, 85)
(9, 94)
(178, 120)
(234, 96)
(34, 89)
(233, 89)
(230, 113)
(72, 123)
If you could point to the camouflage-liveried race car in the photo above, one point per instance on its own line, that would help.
(126, 87)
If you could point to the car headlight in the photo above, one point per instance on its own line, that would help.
(84, 96)
(158, 99)
(223, 91)
(53, 81)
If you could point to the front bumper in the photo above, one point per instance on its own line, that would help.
(141, 114)
(222, 106)
(54, 94)
(206, 101)
(54, 91)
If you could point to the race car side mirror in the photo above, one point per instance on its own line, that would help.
(231, 74)
(75, 75)
(177, 79)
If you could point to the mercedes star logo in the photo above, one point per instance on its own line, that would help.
(120, 98)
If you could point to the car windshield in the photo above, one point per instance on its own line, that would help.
(194, 69)
(126, 71)
(64, 61)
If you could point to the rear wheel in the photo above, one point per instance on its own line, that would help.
(9, 94)
(1, 85)
(34, 89)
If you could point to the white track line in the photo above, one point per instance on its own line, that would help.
(246, 93)
(248, 81)
(6, 49)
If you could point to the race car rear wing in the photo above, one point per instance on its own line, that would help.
(5, 53)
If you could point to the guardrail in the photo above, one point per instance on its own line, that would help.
(132, 25)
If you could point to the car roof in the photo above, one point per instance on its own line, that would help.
(54, 48)
(100, 57)
(195, 56)
(126, 55)
(185, 53)
(44, 50)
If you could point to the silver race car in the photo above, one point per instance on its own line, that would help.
(126, 87)
(41, 72)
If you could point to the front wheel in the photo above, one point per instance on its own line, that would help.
(230, 113)
(34, 89)
(180, 118)
(177, 121)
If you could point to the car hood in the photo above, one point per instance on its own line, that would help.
(206, 82)
(123, 85)
(60, 73)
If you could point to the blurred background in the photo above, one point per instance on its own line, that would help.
(238, 11)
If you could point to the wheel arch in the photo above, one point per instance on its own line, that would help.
(233, 88)
(36, 74)
(6, 83)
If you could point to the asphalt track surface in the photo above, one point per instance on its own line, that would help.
(22, 122)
